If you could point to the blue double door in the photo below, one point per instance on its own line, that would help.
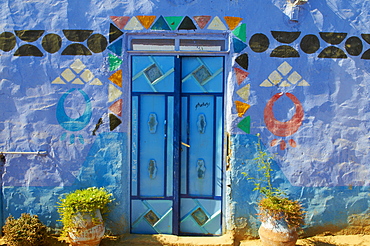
(176, 145)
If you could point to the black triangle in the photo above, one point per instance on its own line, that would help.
(114, 33)
(114, 121)
(187, 24)
(243, 61)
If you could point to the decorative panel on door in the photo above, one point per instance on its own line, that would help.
(152, 144)
(177, 129)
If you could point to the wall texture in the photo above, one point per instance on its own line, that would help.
(296, 75)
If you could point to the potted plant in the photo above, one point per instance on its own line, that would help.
(282, 218)
(81, 215)
(27, 230)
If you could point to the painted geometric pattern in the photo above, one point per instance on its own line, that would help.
(284, 76)
(153, 74)
(151, 216)
(200, 74)
(200, 216)
(77, 74)
(115, 91)
(86, 42)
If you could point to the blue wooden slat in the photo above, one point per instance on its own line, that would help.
(134, 147)
(170, 146)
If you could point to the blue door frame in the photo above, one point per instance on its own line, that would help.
(176, 143)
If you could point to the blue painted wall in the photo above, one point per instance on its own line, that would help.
(324, 162)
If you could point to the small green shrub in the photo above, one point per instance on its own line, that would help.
(274, 204)
(27, 230)
(85, 201)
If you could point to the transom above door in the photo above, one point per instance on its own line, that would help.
(176, 143)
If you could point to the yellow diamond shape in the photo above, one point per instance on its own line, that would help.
(275, 77)
(78, 66)
(87, 75)
(68, 75)
(294, 78)
(284, 68)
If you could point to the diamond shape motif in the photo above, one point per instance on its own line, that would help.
(151, 217)
(78, 66)
(202, 74)
(153, 73)
(68, 75)
(294, 78)
(275, 77)
(284, 68)
(87, 75)
(199, 216)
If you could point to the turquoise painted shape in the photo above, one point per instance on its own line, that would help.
(238, 45)
(116, 47)
(69, 123)
(160, 24)
(72, 139)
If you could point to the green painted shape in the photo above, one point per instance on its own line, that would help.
(114, 62)
(245, 125)
(241, 32)
(174, 21)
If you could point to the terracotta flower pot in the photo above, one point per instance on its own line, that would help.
(88, 232)
(277, 233)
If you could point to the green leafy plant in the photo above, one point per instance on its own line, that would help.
(85, 201)
(273, 204)
(27, 230)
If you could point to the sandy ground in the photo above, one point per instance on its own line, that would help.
(338, 240)
(168, 240)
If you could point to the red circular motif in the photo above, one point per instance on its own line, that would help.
(279, 128)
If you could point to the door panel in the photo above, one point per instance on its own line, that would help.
(202, 74)
(201, 151)
(152, 146)
(176, 141)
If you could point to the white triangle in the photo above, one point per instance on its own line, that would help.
(58, 81)
(133, 24)
(303, 83)
(284, 84)
(244, 92)
(266, 83)
(78, 82)
(96, 81)
(217, 24)
(113, 93)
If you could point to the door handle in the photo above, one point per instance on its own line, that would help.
(186, 145)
